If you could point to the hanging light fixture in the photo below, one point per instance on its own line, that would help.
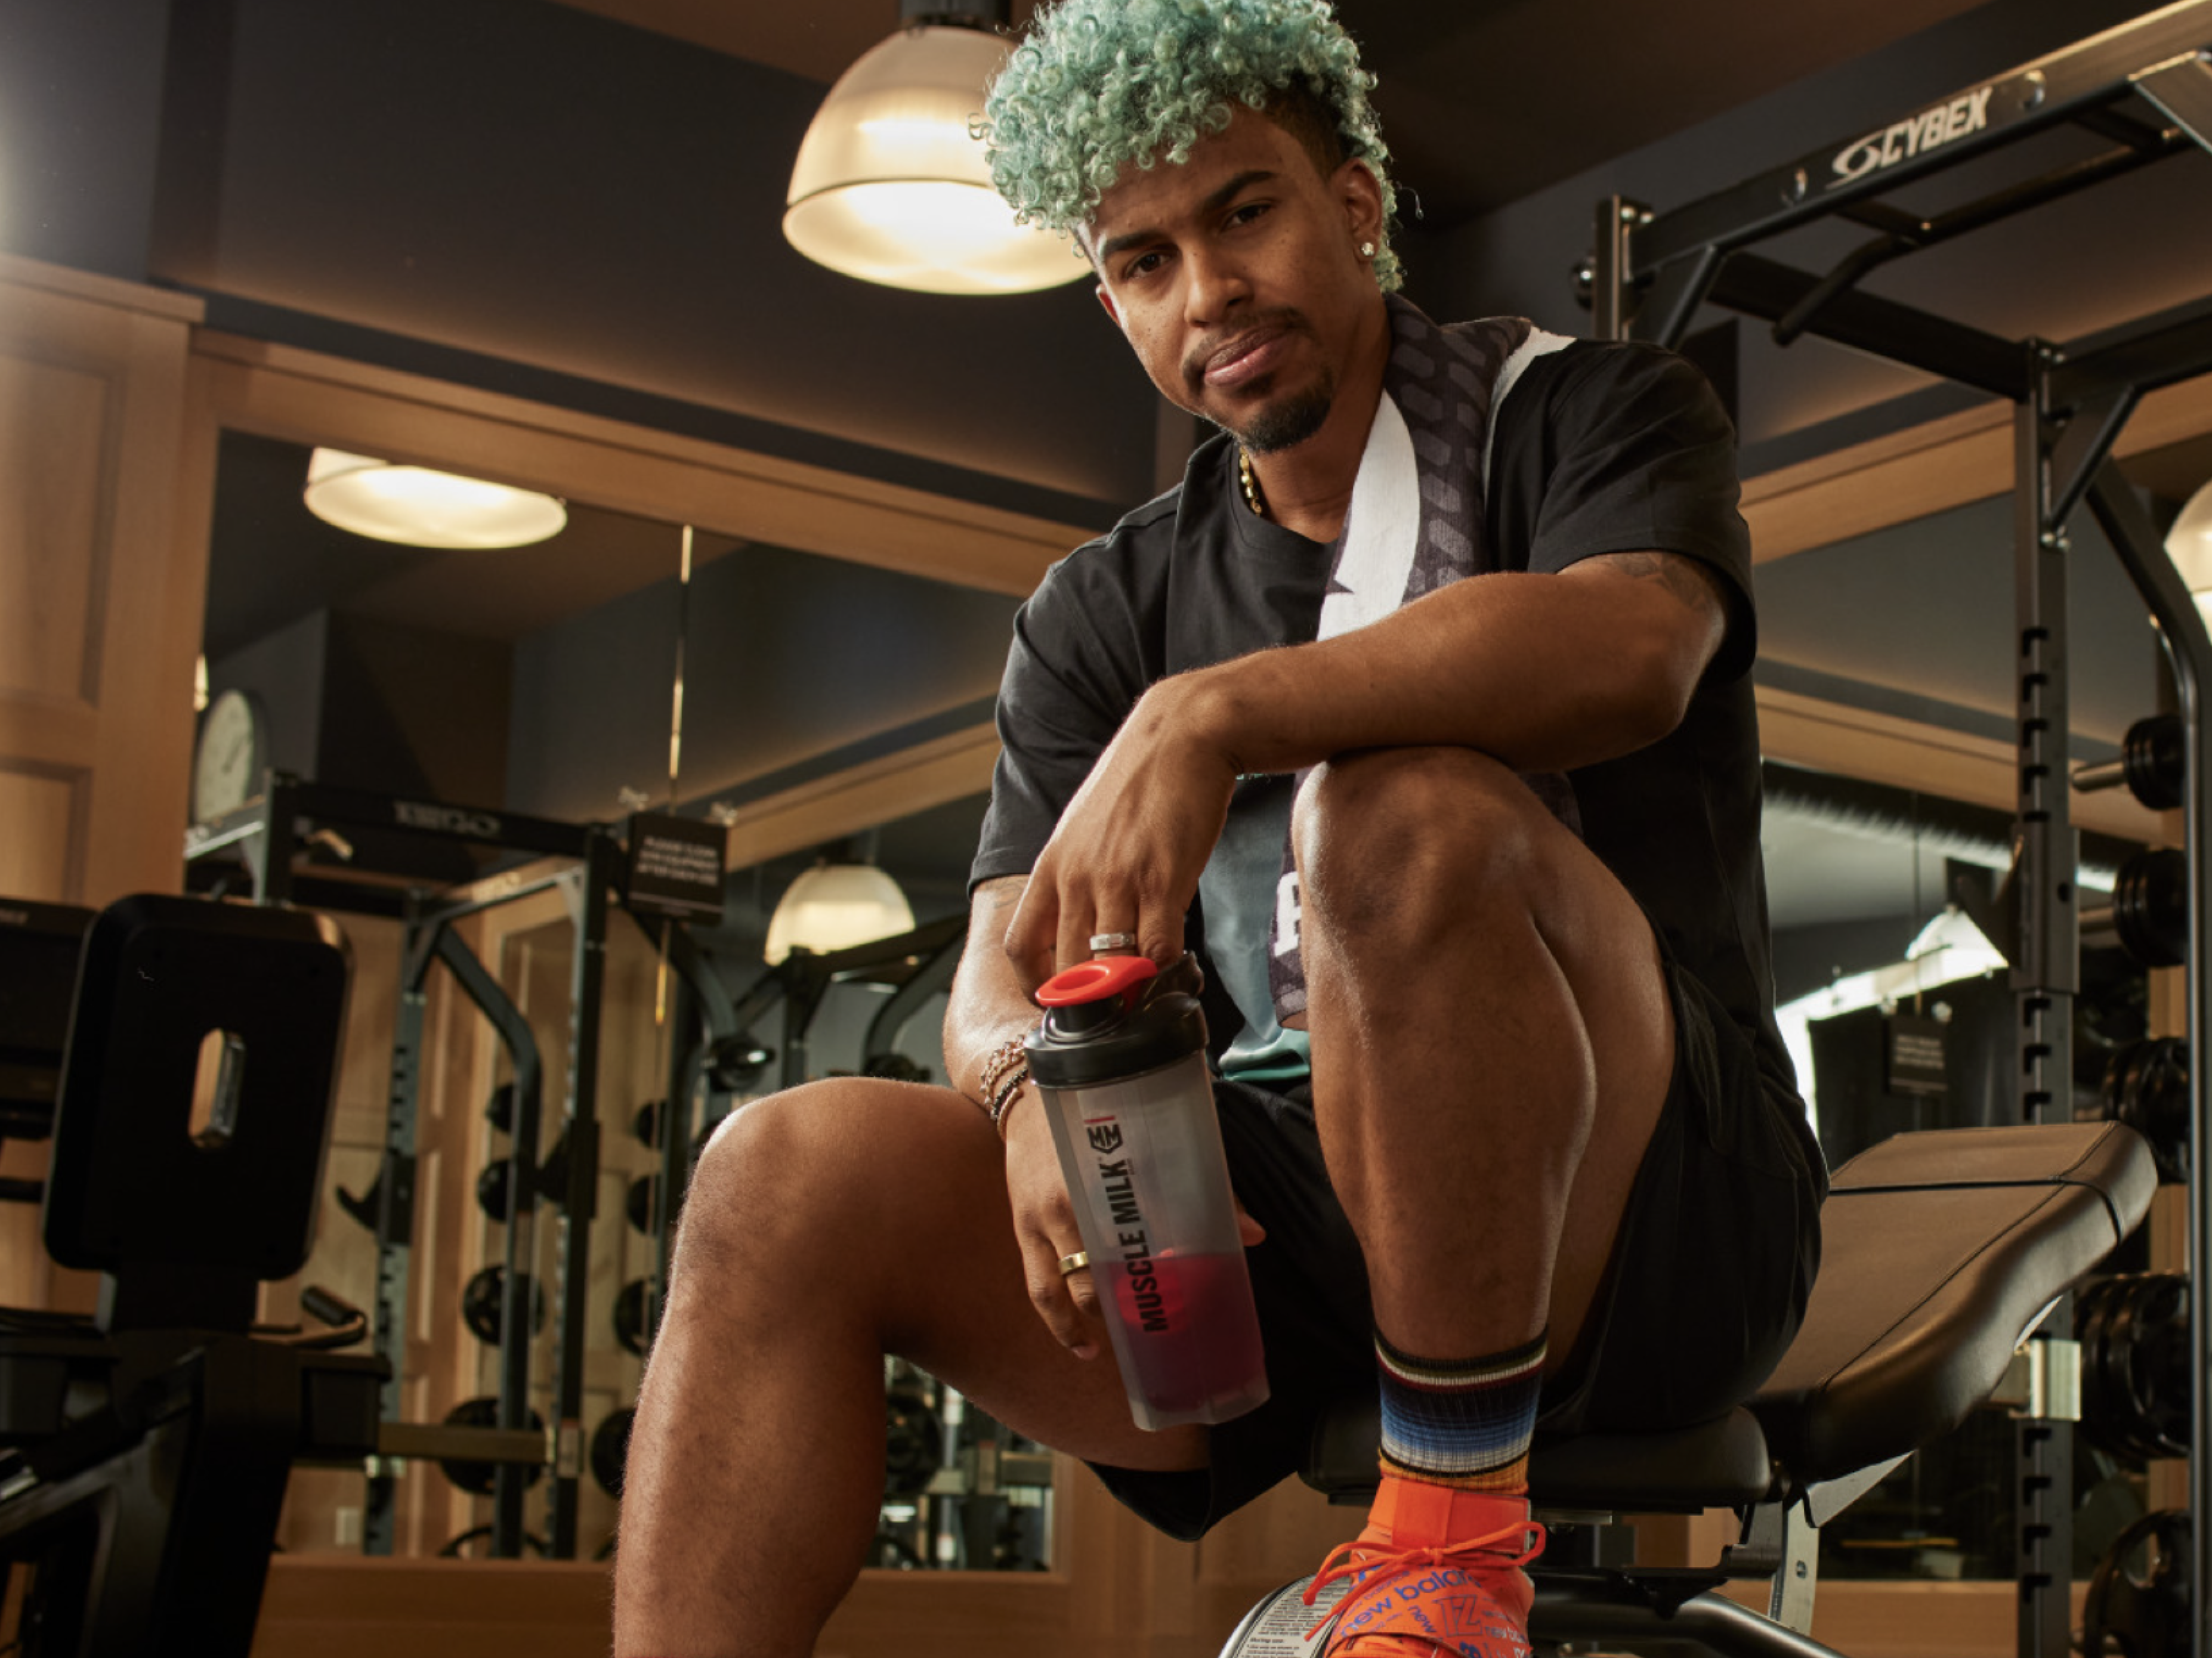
(2188, 544)
(421, 507)
(834, 907)
(890, 185)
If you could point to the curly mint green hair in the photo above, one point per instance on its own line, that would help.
(1101, 83)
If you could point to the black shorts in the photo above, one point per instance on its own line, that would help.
(1707, 1286)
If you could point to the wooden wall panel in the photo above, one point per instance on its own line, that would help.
(54, 471)
(41, 833)
(101, 595)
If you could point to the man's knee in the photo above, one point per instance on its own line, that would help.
(780, 1168)
(1393, 844)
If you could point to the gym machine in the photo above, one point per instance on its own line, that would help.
(670, 868)
(144, 1452)
(39, 948)
(2145, 90)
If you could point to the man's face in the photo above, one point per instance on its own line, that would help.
(1237, 279)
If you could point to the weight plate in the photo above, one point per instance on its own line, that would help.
(610, 1449)
(495, 1196)
(478, 1478)
(629, 1317)
(480, 1298)
(2138, 1597)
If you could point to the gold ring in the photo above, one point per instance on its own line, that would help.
(1074, 1263)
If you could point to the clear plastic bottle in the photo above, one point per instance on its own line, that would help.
(1120, 1063)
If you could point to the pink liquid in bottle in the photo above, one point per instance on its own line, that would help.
(1189, 1328)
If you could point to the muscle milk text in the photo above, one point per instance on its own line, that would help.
(1136, 1253)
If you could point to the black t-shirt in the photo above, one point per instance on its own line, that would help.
(1594, 448)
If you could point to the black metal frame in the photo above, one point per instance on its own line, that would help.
(2147, 88)
(267, 833)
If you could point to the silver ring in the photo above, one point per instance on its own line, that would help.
(1074, 1263)
(1106, 944)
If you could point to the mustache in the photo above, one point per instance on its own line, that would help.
(1283, 319)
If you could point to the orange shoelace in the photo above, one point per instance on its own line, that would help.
(1356, 1559)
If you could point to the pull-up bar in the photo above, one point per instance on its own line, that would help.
(2154, 67)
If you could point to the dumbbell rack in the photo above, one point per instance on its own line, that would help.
(2147, 88)
(269, 831)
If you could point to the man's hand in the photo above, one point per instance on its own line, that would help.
(1045, 1228)
(1127, 854)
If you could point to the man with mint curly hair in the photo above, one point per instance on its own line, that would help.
(1420, 713)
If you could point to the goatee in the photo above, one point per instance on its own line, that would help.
(1290, 421)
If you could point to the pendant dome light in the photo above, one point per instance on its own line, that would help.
(834, 907)
(890, 185)
(419, 506)
(2188, 544)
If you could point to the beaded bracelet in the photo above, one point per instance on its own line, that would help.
(1011, 1052)
(1003, 1101)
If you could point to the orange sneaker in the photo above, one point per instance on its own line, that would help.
(1436, 1574)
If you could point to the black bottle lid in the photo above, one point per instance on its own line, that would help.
(1115, 1018)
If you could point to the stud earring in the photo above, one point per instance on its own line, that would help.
(1366, 250)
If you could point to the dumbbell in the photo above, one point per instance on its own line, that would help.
(2148, 916)
(2151, 764)
(2146, 1086)
(481, 1296)
(637, 1203)
(499, 1110)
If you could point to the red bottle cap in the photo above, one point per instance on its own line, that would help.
(1095, 980)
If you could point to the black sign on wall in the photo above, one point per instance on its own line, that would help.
(676, 868)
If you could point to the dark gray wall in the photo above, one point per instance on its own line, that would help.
(539, 185)
(788, 655)
(1924, 610)
(80, 114)
(284, 669)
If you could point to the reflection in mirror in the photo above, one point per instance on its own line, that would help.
(1899, 1015)
(494, 717)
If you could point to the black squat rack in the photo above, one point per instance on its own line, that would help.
(2145, 89)
(588, 865)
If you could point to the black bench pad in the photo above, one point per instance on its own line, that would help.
(1939, 1251)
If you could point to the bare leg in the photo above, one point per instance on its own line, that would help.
(1491, 1044)
(825, 1228)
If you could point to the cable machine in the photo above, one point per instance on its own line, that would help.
(2145, 88)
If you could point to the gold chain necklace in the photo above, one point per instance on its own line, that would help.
(1251, 489)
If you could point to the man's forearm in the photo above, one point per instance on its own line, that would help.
(1543, 672)
(987, 1006)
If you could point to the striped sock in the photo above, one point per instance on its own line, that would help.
(1464, 1422)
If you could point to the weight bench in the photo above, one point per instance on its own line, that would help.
(144, 1452)
(1940, 1251)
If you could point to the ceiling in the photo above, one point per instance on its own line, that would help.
(1484, 100)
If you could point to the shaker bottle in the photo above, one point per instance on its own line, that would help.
(1120, 1063)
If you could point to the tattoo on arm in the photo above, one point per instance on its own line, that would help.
(1685, 579)
(997, 898)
